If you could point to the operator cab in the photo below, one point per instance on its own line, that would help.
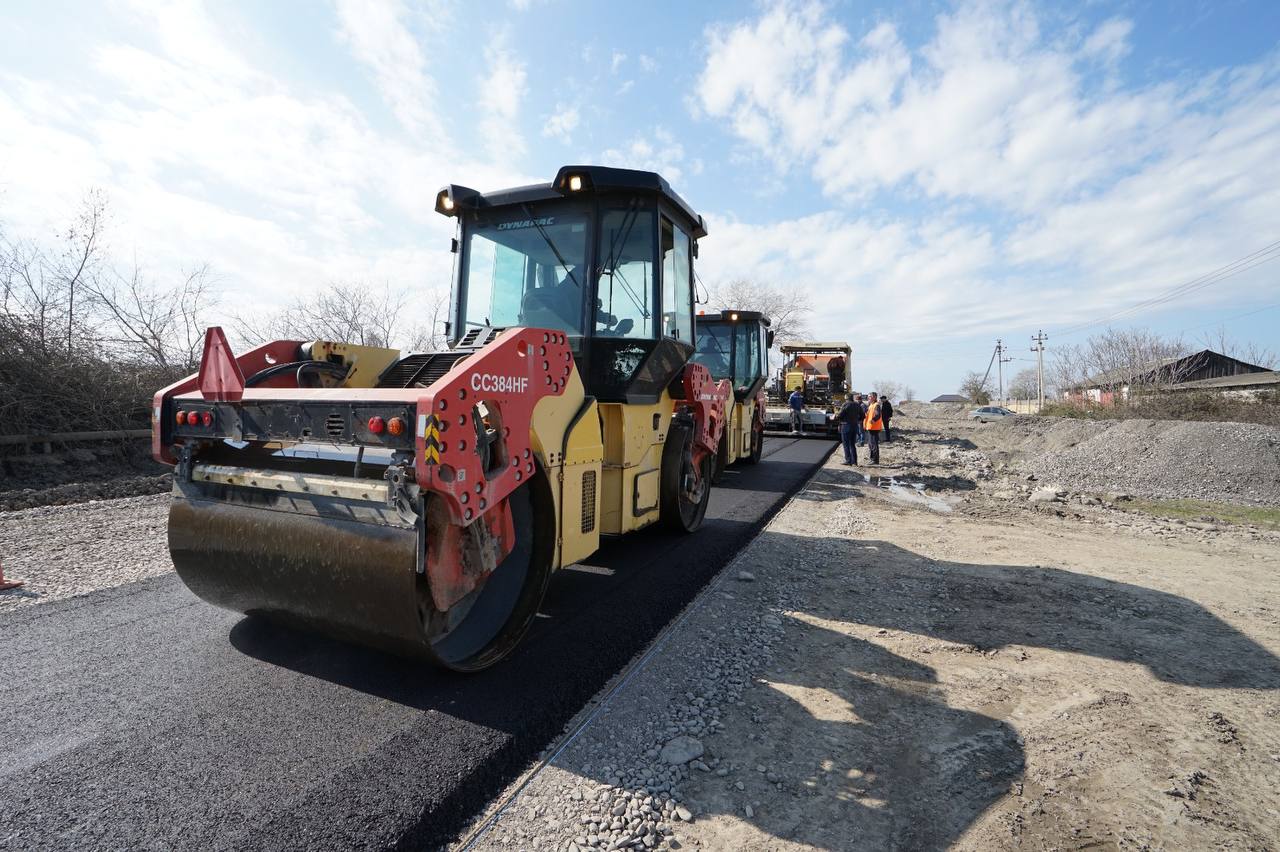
(604, 255)
(735, 345)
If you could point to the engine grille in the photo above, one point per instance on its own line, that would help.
(588, 501)
(420, 370)
(335, 425)
(478, 337)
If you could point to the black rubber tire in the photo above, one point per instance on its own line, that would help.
(679, 510)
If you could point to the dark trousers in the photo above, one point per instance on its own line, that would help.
(886, 429)
(848, 440)
(860, 434)
(873, 441)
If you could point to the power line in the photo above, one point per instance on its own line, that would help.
(1266, 254)
(1229, 319)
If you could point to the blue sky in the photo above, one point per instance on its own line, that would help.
(937, 175)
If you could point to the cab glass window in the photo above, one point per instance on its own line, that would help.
(677, 296)
(746, 368)
(529, 272)
(715, 348)
(626, 292)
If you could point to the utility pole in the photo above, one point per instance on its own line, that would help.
(1039, 340)
(1001, 361)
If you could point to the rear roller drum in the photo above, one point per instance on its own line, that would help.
(349, 570)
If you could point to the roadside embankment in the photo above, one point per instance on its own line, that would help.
(1161, 459)
(877, 671)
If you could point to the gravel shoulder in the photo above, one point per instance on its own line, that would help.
(64, 551)
(921, 655)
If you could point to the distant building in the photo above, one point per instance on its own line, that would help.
(950, 397)
(1198, 369)
(1241, 384)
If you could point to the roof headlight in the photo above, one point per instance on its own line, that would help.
(575, 183)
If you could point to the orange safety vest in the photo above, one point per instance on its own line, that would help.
(872, 421)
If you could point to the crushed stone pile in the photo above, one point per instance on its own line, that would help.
(935, 410)
(1165, 459)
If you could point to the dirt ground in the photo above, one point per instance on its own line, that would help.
(943, 667)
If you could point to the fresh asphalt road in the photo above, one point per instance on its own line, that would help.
(141, 717)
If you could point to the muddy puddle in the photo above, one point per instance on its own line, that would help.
(908, 492)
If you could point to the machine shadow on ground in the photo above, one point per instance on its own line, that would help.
(881, 759)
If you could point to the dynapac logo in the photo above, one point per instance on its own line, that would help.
(527, 223)
(499, 384)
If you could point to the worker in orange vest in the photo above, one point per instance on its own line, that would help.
(872, 425)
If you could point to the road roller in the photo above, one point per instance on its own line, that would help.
(420, 503)
(734, 347)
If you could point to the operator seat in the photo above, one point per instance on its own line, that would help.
(558, 307)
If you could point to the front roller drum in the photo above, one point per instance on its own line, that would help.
(349, 570)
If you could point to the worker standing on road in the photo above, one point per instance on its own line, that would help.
(873, 424)
(886, 414)
(850, 418)
(862, 412)
(796, 402)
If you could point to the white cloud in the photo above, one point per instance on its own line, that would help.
(561, 123)
(989, 109)
(1110, 41)
(378, 37)
(207, 158)
(618, 58)
(502, 92)
(647, 63)
(1058, 190)
(661, 154)
(626, 86)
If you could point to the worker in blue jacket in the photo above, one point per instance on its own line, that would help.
(796, 403)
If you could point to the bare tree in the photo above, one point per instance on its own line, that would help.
(1118, 360)
(41, 289)
(975, 389)
(1024, 385)
(787, 309)
(80, 252)
(162, 325)
(82, 342)
(429, 335)
(1249, 352)
(893, 390)
(348, 312)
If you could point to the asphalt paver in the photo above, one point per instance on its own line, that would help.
(141, 717)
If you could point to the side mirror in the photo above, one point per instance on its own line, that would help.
(768, 339)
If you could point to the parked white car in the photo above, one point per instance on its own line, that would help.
(990, 412)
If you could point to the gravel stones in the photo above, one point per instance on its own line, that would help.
(680, 750)
(64, 551)
(1165, 459)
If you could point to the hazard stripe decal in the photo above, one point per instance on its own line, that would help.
(431, 440)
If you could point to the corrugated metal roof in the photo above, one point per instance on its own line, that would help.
(1240, 380)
